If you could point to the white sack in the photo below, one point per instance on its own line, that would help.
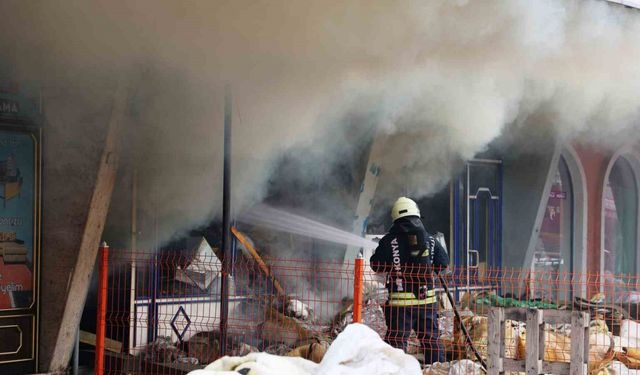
(358, 350)
(630, 334)
(618, 368)
(462, 367)
(438, 368)
(259, 364)
(466, 367)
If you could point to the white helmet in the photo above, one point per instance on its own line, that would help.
(404, 207)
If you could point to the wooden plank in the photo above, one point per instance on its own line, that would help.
(579, 335)
(513, 365)
(109, 344)
(494, 340)
(93, 227)
(258, 259)
(541, 338)
(534, 360)
(503, 344)
(555, 367)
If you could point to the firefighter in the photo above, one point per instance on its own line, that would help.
(409, 255)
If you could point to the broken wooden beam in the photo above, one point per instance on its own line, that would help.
(93, 227)
(109, 344)
(256, 256)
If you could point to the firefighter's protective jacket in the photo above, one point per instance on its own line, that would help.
(409, 255)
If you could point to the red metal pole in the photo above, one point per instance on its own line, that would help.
(103, 267)
(357, 289)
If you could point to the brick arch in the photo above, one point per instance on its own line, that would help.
(594, 163)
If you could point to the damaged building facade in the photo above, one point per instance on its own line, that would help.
(564, 217)
(568, 211)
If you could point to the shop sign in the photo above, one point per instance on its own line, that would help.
(23, 105)
(8, 106)
(558, 194)
(17, 219)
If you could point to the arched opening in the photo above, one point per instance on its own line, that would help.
(620, 219)
(554, 256)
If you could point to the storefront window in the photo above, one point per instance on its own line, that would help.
(553, 258)
(620, 220)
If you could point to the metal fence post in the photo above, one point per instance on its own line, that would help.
(102, 307)
(357, 289)
(226, 212)
(75, 358)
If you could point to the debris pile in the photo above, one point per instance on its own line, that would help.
(461, 367)
(205, 347)
(288, 333)
(477, 326)
(290, 322)
(162, 350)
(372, 313)
(611, 351)
(201, 348)
(283, 333)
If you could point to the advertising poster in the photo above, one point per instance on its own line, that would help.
(17, 216)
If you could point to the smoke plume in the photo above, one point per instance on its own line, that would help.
(441, 78)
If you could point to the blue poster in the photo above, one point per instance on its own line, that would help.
(17, 216)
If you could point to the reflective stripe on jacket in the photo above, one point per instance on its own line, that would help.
(409, 299)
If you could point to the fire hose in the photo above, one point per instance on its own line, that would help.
(463, 328)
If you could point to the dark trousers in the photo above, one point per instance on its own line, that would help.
(423, 320)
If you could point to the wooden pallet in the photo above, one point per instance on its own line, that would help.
(534, 364)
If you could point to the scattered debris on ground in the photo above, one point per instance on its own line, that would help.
(284, 334)
(162, 350)
(372, 314)
(290, 338)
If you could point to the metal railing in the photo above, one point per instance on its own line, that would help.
(164, 309)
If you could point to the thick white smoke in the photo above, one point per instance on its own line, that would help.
(443, 78)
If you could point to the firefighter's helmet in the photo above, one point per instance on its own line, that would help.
(404, 207)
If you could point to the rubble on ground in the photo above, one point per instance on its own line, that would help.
(162, 350)
(461, 367)
(446, 330)
(286, 327)
(204, 346)
(292, 339)
(374, 296)
(372, 316)
(477, 326)
(278, 349)
(290, 322)
(314, 351)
